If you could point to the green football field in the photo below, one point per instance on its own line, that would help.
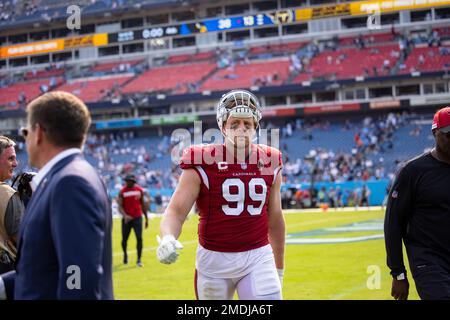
(329, 255)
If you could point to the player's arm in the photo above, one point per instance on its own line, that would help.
(126, 217)
(145, 204)
(277, 228)
(395, 223)
(120, 204)
(180, 204)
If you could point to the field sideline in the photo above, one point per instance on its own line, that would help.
(323, 271)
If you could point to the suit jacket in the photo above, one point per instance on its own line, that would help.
(64, 246)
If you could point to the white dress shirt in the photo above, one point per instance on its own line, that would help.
(37, 179)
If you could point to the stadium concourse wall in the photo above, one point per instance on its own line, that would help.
(161, 100)
(378, 189)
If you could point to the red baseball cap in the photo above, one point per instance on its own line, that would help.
(441, 120)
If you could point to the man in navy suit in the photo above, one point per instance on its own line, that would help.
(64, 243)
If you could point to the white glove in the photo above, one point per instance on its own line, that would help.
(281, 275)
(167, 249)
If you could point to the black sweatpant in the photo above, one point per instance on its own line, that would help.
(432, 282)
(136, 225)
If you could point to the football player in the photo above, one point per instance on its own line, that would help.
(236, 186)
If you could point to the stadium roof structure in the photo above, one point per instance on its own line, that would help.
(51, 11)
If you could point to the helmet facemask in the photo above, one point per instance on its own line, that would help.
(239, 104)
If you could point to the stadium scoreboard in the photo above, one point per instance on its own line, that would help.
(274, 18)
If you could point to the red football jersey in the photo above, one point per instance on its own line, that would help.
(132, 200)
(233, 196)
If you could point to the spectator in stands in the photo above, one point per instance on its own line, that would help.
(321, 196)
(444, 51)
(53, 83)
(375, 71)
(329, 60)
(360, 42)
(421, 59)
(416, 131)
(22, 101)
(296, 64)
(386, 64)
(434, 38)
(276, 77)
(43, 88)
(395, 54)
(158, 202)
(365, 193)
(6, 10)
(365, 72)
(403, 46)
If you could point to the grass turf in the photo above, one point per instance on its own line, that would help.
(312, 271)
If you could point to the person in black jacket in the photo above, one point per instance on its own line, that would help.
(418, 213)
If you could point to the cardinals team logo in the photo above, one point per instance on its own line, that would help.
(243, 166)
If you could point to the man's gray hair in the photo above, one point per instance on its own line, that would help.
(5, 143)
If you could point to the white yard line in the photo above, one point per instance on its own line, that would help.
(331, 210)
(348, 292)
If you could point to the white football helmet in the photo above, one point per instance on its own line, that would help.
(239, 104)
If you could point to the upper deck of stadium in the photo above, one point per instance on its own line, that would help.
(144, 59)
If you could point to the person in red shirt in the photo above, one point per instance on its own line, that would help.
(132, 205)
(236, 186)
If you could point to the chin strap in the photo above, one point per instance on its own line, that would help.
(258, 135)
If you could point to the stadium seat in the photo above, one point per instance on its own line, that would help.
(433, 60)
(329, 64)
(170, 78)
(94, 89)
(246, 75)
(113, 66)
(9, 96)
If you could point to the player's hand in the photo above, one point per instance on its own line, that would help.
(167, 249)
(146, 224)
(400, 289)
(127, 218)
